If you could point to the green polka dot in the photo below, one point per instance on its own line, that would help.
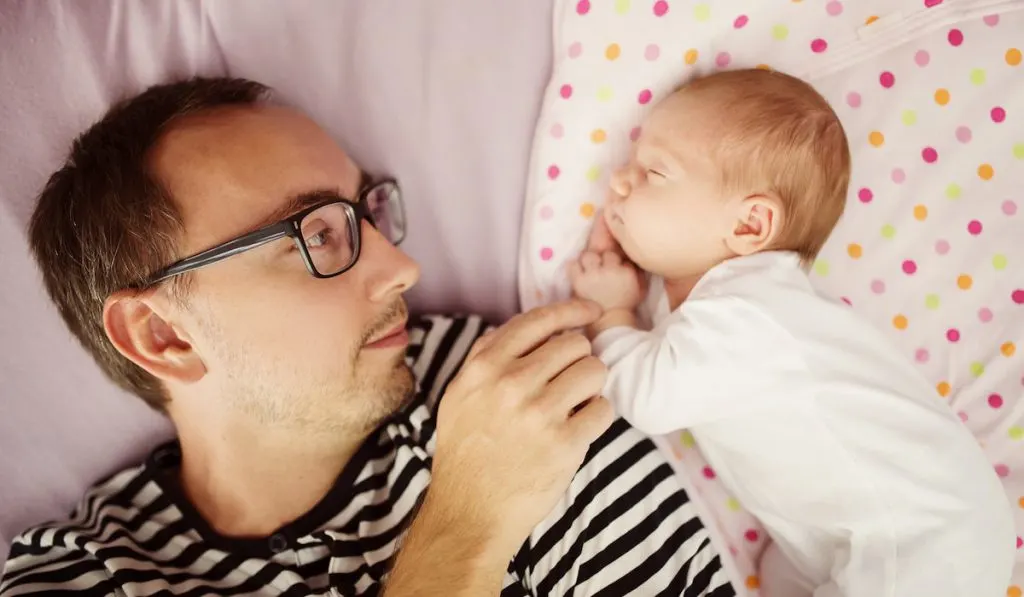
(821, 267)
(1018, 151)
(978, 76)
(702, 12)
(953, 191)
(733, 504)
(780, 32)
(909, 117)
(931, 301)
(999, 262)
(593, 173)
(977, 369)
(1016, 433)
(687, 439)
(622, 6)
(604, 93)
(888, 231)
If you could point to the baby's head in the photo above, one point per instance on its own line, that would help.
(731, 164)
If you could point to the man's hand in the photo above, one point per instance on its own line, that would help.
(608, 280)
(512, 429)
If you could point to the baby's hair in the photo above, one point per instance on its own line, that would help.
(780, 138)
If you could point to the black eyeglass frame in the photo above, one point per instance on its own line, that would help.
(356, 211)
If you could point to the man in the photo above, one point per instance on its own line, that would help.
(221, 257)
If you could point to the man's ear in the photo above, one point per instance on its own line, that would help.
(139, 326)
(757, 225)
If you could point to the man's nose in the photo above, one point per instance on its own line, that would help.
(391, 272)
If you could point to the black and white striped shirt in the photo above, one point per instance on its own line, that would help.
(624, 527)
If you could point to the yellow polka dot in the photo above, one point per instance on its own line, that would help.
(702, 12)
(1007, 349)
(909, 117)
(821, 267)
(888, 231)
(920, 212)
(1013, 57)
(941, 97)
(733, 504)
(593, 173)
(687, 439)
(754, 582)
(780, 32)
(612, 51)
(604, 93)
(1016, 433)
(899, 322)
(622, 6)
(964, 282)
(978, 76)
(587, 210)
(977, 369)
(1013, 591)
(598, 136)
(854, 250)
(999, 262)
(870, 20)
(876, 138)
(986, 172)
(1018, 151)
(763, 67)
(931, 301)
(943, 389)
(953, 191)
(690, 57)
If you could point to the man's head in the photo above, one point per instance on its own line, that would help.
(188, 166)
(731, 164)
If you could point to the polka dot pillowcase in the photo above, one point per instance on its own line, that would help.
(931, 93)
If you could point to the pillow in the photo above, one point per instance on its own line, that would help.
(929, 248)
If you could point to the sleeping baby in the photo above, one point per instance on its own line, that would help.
(868, 485)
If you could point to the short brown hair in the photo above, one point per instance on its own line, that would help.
(104, 223)
(780, 137)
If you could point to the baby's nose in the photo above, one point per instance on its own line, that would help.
(621, 183)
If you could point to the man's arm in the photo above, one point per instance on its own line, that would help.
(35, 567)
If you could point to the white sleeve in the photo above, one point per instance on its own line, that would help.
(708, 361)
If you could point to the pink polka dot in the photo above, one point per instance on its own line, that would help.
(819, 45)
(652, 52)
(853, 99)
(645, 96)
(834, 8)
(922, 58)
(921, 355)
(942, 247)
(1020, 542)
(929, 155)
(962, 415)
(953, 335)
(1009, 207)
(566, 91)
(909, 267)
(751, 535)
(887, 79)
(963, 134)
(546, 254)
(575, 49)
(722, 59)
(931, 3)
(998, 114)
(634, 134)
(955, 37)
(995, 401)
(898, 175)
(985, 314)
(991, 20)
(740, 22)
(546, 213)
(1018, 296)
(865, 195)
(709, 473)
(877, 286)
(583, 7)
(846, 300)
(557, 131)
(553, 171)
(660, 8)
(974, 227)
(1002, 470)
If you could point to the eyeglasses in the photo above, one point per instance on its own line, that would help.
(326, 234)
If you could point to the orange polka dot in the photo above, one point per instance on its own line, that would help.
(587, 210)
(986, 172)
(870, 20)
(753, 582)
(1013, 591)
(763, 67)
(690, 57)
(943, 389)
(1020, 502)
(920, 212)
(876, 138)
(964, 281)
(941, 97)
(1008, 349)
(854, 250)
(899, 322)
(1013, 57)
(598, 136)
(612, 51)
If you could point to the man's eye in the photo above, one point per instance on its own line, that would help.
(319, 239)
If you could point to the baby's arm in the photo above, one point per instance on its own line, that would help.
(612, 282)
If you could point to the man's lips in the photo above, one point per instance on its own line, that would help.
(393, 337)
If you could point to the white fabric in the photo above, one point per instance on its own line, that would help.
(822, 430)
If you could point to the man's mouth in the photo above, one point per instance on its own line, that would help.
(396, 336)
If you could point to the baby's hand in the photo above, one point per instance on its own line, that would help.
(608, 280)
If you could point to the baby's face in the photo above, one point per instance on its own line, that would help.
(667, 208)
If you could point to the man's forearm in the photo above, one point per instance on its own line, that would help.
(446, 554)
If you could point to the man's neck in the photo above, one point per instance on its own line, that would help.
(249, 481)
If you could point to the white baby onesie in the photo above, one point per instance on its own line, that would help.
(866, 481)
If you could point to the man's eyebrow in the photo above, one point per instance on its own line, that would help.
(296, 203)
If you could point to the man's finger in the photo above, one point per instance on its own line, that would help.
(481, 343)
(591, 419)
(525, 332)
(556, 355)
(576, 384)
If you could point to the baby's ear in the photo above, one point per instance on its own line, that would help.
(758, 222)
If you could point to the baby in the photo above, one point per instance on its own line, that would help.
(868, 485)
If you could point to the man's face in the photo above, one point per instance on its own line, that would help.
(279, 345)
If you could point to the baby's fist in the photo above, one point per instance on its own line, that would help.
(607, 280)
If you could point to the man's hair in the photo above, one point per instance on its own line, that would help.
(778, 136)
(104, 222)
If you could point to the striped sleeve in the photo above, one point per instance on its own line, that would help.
(36, 569)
